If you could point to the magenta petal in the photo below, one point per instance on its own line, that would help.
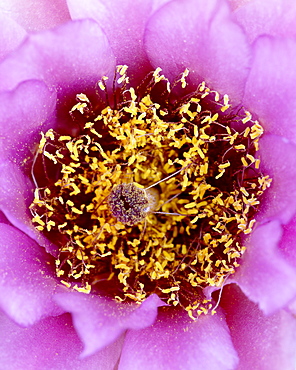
(27, 283)
(287, 243)
(292, 307)
(50, 344)
(272, 17)
(16, 194)
(70, 58)
(270, 89)
(99, 321)
(124, 24)
(177, 342)
(265, 343)
(278, 160)
(11, 35)
(24, 112)
(3, 219)
(264, 275)
(199, 35)
(36, 15)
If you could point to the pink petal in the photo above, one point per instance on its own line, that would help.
(50, 344)
(16, 194)
(124, 24)
(272, 17)
(24, 112)
(27, 283)
(177, 342)
(270, 89)
(292, 307)
(11, 35)
(263, 343)
(3, 219)
(235, 4)
(71, 58)
(278, 160)
(201, 36)
(99, 321)
(265, 276)
(36, 15)
(287, 243)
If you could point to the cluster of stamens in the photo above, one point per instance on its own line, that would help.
(154, 195)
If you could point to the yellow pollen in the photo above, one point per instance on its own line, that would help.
(150, 196)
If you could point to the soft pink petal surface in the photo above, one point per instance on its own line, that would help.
(262, 342)
(50, 344)
(3, 219)
(292, 307)
(201, 36)
(176, 342)
(11, 34)
(287, 244)
(272, 17)
(264, 275)
(270, 89)
(278, 160)
(124, 24)
(16, 194)
(36, 15)
(70, 58)
(99, 321)
(235, 4)
(24, 113)
(26, 282)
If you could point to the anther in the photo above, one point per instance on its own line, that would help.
(174, 237)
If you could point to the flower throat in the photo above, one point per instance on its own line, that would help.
(153, 195)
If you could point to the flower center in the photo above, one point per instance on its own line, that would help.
(155, 193)
(130, 204)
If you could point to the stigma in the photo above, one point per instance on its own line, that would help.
(130, 204)
(155, 194)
